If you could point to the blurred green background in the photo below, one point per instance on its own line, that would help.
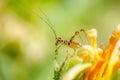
(27, 44)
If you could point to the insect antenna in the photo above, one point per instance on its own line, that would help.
(58, 39)
(48, 22)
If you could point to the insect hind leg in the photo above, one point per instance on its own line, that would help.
(82, 36)
(75, 34)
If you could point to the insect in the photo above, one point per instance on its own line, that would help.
(59, 41)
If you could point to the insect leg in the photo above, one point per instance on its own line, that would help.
(75, 34)
(55, 57)
(82, 34)
(84, 37)
(56, 51)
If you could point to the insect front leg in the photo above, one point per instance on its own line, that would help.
(55, 57)
(56, 51)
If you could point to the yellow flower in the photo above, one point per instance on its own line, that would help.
(105, 62)
(92, 62)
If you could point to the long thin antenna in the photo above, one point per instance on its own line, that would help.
(51, 27)
(47, 21)
(46, 17)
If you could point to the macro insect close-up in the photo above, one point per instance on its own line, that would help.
(59, 40)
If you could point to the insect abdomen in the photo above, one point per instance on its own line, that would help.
(74, 45)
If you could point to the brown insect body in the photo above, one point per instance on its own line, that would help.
(70, 43)
(74, 45)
